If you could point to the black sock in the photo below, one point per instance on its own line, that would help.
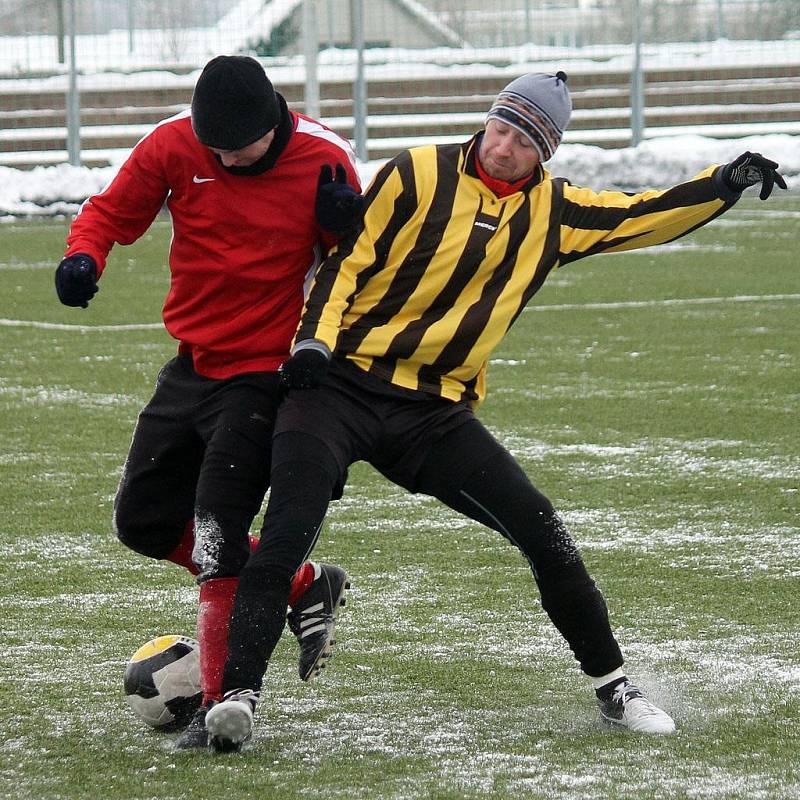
(605, 693)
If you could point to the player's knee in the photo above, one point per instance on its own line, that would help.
(154, 540)
(129, 527)
(141, 540)
(553, 553)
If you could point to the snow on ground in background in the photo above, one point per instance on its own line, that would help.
(668, 160)
(155, 50)
(53, 395)
(656, 163)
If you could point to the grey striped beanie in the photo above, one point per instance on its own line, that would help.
(539, 106)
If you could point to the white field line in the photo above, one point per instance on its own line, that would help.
(687, 301)
(58, 326)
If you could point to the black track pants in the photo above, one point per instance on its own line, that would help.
(499, 494)
(496, 493)
(299, 497)
(200, 450)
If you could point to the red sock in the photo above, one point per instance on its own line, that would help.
(301, 581)
(213, 616)
(182, 554)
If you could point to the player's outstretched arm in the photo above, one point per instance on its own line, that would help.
(750, 169)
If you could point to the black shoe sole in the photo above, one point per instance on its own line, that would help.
(225, 746)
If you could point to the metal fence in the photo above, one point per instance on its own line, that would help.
(357, 60)
(121, 34)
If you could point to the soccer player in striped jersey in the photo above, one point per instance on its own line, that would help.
(390, 360)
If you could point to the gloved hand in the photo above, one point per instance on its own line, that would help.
(306, 369)
(338, 205)
(748, 170)
(76, 280)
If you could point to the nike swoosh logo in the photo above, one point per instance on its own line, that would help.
(202, 180)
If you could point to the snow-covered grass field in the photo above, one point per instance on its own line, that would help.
(653, 396)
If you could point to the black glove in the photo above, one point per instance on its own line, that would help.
(76, 280)
(339, 205)
(306, 369)
(748, 170)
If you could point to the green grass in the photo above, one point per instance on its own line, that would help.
(665, 432)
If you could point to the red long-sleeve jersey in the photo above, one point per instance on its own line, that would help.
(242, 245)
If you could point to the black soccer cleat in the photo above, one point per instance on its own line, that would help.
(313, 619)
(195, 736)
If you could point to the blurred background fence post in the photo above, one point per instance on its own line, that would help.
(60, 31)
(131, 25)
(360, 84)
(720, 20)
(637, 77)
(73, 97)
(310, 48)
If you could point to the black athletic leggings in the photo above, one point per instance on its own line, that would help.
(495, 492)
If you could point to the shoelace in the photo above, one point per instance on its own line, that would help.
(243, 696)
(627, 692)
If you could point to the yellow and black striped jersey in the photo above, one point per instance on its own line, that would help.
(440, 267)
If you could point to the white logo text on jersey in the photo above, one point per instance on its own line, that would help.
(197, 179)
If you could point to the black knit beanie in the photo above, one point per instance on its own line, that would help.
(233, 103)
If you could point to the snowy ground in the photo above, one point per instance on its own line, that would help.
(47, 191)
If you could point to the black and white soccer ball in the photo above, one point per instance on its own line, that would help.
(162, 681)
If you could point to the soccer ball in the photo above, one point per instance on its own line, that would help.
(162, 681)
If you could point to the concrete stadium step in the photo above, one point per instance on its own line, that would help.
(585, 125)
(54, 118)
(388, 147)
(427, 108)
(763, 96)
(609, 138)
